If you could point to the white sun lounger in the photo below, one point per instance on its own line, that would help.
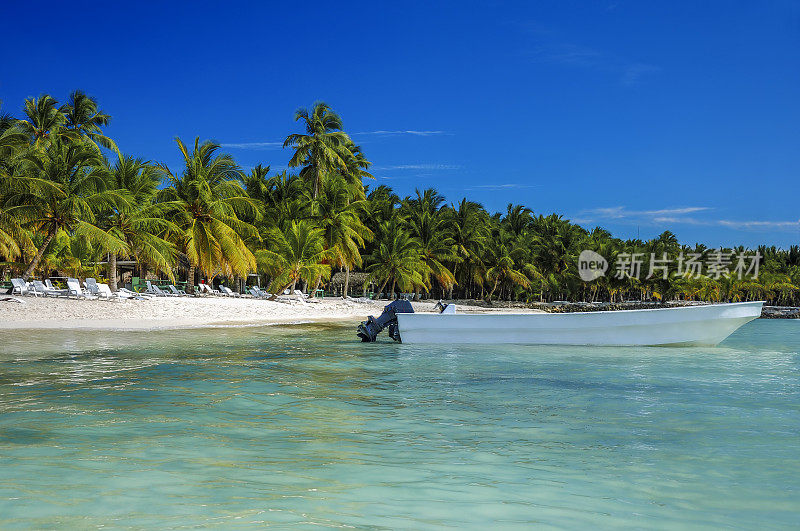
(39, 287)
(50, 285)
(20, 287)
(175, 291)
(228, 292)
(93, 288)
(208, 289)
(158, 292)
(103, 290)
(125, 293)
(256, 292)
(74, 290)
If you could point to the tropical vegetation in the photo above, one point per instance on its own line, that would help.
(71, 202)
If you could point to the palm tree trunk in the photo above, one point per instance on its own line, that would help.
(142, 271)
(346, 281)
(391, 293)
(294, 284)
(190, 280)
(29, 270)
(112, 271)
(493, 288)
(381, 288)
(283, 288)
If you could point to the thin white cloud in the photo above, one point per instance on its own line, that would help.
(253, 145)
(402, 132)
(760, 225)
(753, 225)
(678, 216)
(684, 220)
(417, 167)
(619, 212)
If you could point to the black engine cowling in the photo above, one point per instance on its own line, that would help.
(368, 330)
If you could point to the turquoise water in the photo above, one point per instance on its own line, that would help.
(305, 427)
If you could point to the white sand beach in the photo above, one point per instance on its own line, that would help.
(188, 312)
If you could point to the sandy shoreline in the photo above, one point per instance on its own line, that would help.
(184, 312)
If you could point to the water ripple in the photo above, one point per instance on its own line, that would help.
(303, 426)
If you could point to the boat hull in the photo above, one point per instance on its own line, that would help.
(687, 325)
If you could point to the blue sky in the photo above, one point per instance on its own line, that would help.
(636, 116)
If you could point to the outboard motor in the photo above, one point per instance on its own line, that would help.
(369, 329)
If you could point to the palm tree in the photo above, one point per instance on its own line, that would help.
(356, 166)
(500, 264)
(397, 258)
(428, 224)
(280, 198)
(323, 148)
(13, 238)
(518, 219)
(297, 253)
(470, 230)
(344, 232)
(206, 201)
(43, 119)
(69, 192)
(381, 203)
(84, 118)
(12, 138)
(429, 201)
(141, 225)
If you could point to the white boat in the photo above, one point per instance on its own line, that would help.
(685, 325)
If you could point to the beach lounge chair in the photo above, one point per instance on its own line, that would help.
(19, 287)
(293, 296)
(95, 289)
(125, 293)
(175, 291)
(40, 287)
(92, 287)
(152, 289)
(105, 292)
(228, 292)
(264, 294)
(256, 292)
(208, 289)
(74, 290)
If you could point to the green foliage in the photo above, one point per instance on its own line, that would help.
(297, 253)
(65, 207)
(205, 202)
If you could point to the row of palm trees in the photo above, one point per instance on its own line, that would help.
(71, 201)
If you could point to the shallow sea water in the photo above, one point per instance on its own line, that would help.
(302, 426)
